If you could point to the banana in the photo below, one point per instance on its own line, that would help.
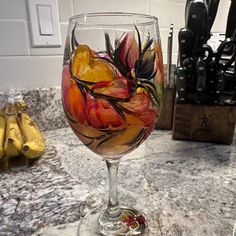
(21, 106)
(34, 145)
(2, 132)
(13, 143)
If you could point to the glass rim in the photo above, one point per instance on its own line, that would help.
(74, 19)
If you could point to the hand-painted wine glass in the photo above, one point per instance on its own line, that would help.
(112, 84)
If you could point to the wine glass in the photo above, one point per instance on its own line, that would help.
(112, 85)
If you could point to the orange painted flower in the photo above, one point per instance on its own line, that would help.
(81, 60)
(101, 114)
(73, 99)
(106, 78)
(117, 88)
(141, 105)
(97, 71)
(88, 68)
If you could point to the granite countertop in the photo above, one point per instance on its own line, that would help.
(183, 188)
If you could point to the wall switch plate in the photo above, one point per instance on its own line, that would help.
(44, 23)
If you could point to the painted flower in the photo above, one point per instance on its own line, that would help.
(73, 99)
(101, 115)
(81, 60)
(111, 96)
(117, 88)
(127, 53)
(97, 71)
(99, 76)
(140, 105)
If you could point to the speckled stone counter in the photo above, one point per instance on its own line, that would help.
(44, 105)
(183, 188)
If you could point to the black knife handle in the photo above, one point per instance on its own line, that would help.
(231, 21)
(212, 11)
(181, 85)
(185, 38)
(201, 73)
(211, 79)
(197, 21)
(201, 81)
(190, 66)
(186, 8)
(219, 86)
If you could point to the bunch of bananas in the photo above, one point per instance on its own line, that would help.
(19, 134)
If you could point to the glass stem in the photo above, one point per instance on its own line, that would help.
(113, 209)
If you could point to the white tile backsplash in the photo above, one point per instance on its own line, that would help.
(30, 71)
(24, 66)
(65, 9)
(168, 12)
(164, 36)
(176, 1)
(14, 38)
(174, 58)
(137, 6)
(13, 9)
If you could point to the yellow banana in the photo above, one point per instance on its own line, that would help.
(21, 106)
(34, 145)
(2, 132)
(13, 143)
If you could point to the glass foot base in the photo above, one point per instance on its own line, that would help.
(130, 222)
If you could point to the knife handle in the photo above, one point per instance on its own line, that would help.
(231, 21)
(211, 79)
(201, 81)
(185, 44)
(186, 8)
(212, 11)
(189, 64)
(181, 85)
(201, 73)
(219, 86)
(197, 22)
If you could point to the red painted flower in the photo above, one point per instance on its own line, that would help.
(127, 51)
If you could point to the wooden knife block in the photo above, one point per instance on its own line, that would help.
(204, 123)
(165, 120)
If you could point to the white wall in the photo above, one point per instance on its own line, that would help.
(23, 66)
